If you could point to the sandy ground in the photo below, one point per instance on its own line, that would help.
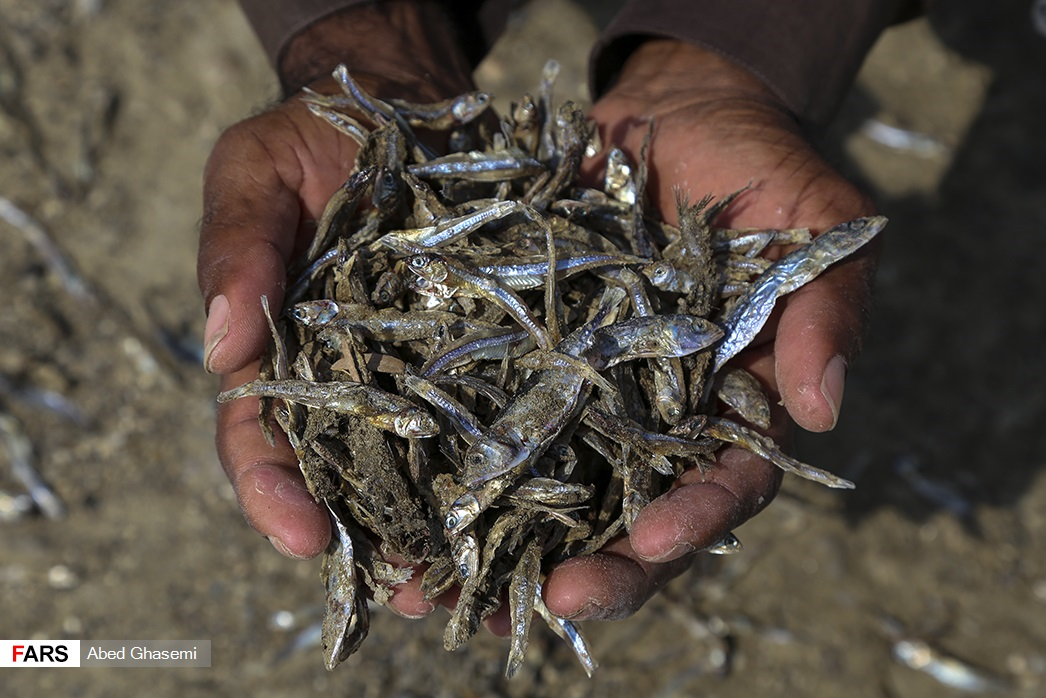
(108, 110)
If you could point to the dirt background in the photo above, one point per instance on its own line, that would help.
(108, 109)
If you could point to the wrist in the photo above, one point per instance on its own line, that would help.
(407, 47)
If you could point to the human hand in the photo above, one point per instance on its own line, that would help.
(267, 180)
(717, 129)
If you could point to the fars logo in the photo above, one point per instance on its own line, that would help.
(39, 653)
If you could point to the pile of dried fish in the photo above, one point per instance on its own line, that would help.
(487, 368)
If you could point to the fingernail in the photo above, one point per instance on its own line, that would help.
(217, 327)
(832, 386)
(587, 612)
(676, 551)
(424, 610)
(282, 549)
(592, 610)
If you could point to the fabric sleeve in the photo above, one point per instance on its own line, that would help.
(276, 22)
(807, 51)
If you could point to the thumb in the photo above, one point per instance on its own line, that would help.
(818, 337)
(246, 237)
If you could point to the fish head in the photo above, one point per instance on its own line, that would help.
(670, 408)
(462, 512)
(525, 111)
(470, 106)
(487, 458)
(388, 190)
(315, 313)
(692, 333)
(388, 289)
(415, 424)
(661, 274)
(428, 266)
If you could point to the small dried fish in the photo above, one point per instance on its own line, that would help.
(522, 596)
(479, 167)
(658, 336)
(786, 275)
(948, 670)
(727, 545)
(570, 632)
(20, 452)
(384, 410)
(446, 114)
(460, 280)
(742, 391)
(347, 620)
(725, 430)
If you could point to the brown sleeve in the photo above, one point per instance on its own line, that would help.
(807, 51)
(276, 22)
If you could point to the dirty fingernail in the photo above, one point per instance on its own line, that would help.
(423, 609)
(216, 328)
(678, 550)
(832, 386)
(583, 613)
(589, 611)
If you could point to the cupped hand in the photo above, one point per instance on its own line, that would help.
(717, 129)
(267, 179)
(266, 183)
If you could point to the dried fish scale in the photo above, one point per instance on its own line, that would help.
(487, 368)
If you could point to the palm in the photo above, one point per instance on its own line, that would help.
(708, 144)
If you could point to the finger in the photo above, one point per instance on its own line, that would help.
(267, 481)
(818, 336)
(704, 507)
(498, 623)
(407, 598)
(610, 584)
(246, 236)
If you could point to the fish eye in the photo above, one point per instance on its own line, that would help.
(476, 460)
(388, 179)
(463, 570)
(452, 521)
(482, 98)
(418, 261)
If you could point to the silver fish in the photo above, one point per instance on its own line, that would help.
(786, 275)
(384, 410)
(764, 447)
(570, 632)
(948, 670)
(346, 620)
(742, 391)
(727, 545)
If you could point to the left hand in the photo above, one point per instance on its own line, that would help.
(716, 129)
